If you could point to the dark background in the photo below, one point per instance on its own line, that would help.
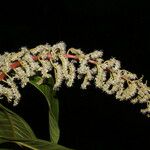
(89, 120)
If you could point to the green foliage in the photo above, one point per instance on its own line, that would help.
(13, 126)
(47, 89)
(36, 144)
(15, 130)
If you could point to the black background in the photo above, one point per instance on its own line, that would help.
(90, 119)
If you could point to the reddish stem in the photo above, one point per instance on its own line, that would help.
(35, 58)
(2, 76)
(71, 56)
(15, 65)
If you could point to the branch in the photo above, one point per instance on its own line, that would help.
(108, 75)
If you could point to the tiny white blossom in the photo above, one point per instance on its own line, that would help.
(45, 68)
(58, 76)
(65, 64)
(107, 74)
(22, 76)
(71, 74)
(96, 54)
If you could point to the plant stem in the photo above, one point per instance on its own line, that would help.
(35, 58)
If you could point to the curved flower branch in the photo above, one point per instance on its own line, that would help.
(67, 65)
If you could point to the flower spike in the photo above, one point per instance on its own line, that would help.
(45, 59)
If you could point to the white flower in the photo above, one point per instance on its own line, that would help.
(88, 77)
(65, 65)
(14, 88)
(11, 92)
(96, 54)
(61, 46)
(7, 92)
(107, 74)
(33, 65)
(38, 49)
(100, 77)
(5, 62)
(58, 75)
(71, 74)
(45, 68)
(21, 75)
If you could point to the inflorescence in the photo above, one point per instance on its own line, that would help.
(45, 59)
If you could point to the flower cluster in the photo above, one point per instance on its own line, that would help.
(45, 59)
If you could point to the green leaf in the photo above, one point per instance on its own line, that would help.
(13, 126)
(46, 89)
(13, 129)
(37, 144)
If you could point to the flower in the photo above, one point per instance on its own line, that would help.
(45, 59)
